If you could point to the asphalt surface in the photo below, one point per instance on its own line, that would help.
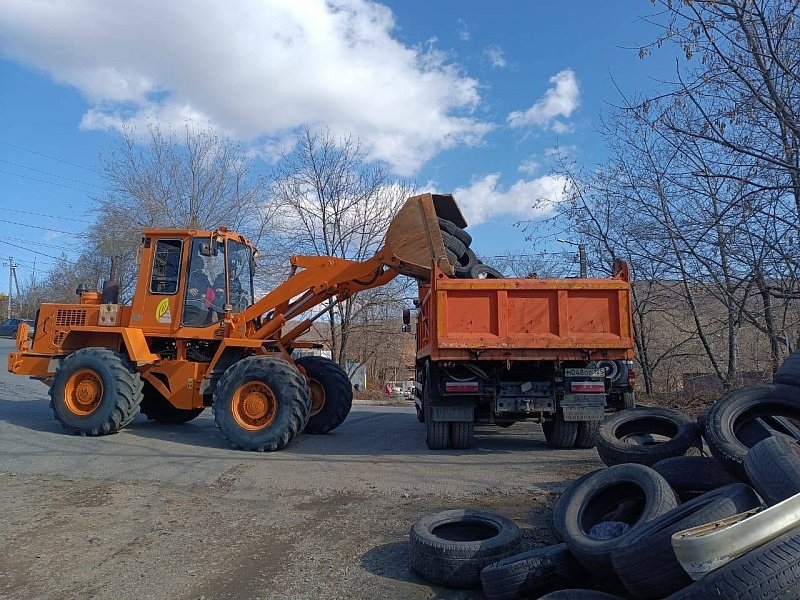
(362, 486)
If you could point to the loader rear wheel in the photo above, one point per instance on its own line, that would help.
(95, 391)
(261, 403)
(157, 408)
(331, 393)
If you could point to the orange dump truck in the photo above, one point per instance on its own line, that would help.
(497, 351)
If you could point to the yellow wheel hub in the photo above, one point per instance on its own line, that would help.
(254, 406)
(83, 392)
(317, 396)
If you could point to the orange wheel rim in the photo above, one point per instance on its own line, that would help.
(83, 392)
(254, 406)
(317, 396)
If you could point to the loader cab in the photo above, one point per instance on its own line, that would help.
(191, 278)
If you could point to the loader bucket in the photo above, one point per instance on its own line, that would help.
(414, 241)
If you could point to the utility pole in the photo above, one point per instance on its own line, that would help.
(582, 262)
(11, 266)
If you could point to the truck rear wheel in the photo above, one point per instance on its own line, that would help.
(560, 433)
(261, 403)
(95, 391)
(331, 393)
(437, 433)
(586, 435)
(461, 433)
(157, 408)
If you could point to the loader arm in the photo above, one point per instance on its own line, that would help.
(314, 280)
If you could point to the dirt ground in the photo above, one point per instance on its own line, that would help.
(161, 511)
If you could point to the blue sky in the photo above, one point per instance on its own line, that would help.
(469, 97)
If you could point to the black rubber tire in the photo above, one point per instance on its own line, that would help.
(617, 434)
(291, 394)
(768, 572)
(646, 564)
(461, 433)
(420, 413)
(464, 264)
(560, 433)
(692, 476)
(628, 400)
(121, 392)
(558, 515)
(482, 271)
(587, 434)
(531, 573)
(452, 547)
(773, 467)
(644, 494)
(789, 371)
(453, 244)
(157, 408)
(455, 231)
(577, 594)
(729, 417)
(437, 433)
(336, 388)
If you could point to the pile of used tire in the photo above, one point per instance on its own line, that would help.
(465, 263)
(615, 527)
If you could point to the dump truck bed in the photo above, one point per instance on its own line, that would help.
(529, 319)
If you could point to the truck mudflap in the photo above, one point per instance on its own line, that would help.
(583, 407)
(453, 413)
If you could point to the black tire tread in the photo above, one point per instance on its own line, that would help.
(646, 563)
(613, 451)
(461, 433)
(722, 420)
(587, 433)
(560, 433)
(338, 393)
(125, 404)
(456, 231)
(694, 475)
(531, 573)
(773, 467)
(458, 563)
(286, 375)
(770, 571)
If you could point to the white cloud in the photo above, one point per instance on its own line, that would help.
(463, 31)
(529, 166)
(484, 199)
(256, 70)
(558, 101)
(496, 56)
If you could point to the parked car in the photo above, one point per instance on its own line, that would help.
(8, 328)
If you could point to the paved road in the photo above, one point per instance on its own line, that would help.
(375, 464)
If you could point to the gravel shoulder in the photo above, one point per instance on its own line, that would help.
(161, 511)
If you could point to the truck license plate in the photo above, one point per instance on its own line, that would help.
(584, 373)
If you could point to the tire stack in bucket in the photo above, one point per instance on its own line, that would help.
(460, 255)
(615, 528)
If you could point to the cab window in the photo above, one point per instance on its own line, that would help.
(166, 267)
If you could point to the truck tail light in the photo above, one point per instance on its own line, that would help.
(631, 378)
(462, 387)
(588, 387)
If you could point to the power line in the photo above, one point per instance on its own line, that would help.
(37, 243)
(31, 251)
(37, 227)
(8, 162)
(50, 157)
(35, 214)
(69, 187)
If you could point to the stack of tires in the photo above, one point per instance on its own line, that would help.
(613, 527)
(465, 264)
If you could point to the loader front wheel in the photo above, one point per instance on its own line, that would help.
(261, 403)
(331, 393)
(95, 391)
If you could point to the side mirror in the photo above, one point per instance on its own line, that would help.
(406, 320)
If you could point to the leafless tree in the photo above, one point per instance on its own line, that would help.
(330, 201)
